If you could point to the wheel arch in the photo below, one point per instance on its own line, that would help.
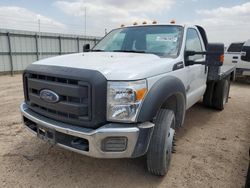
(168, 92)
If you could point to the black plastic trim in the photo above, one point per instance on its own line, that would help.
(158, 94)
(203, 35)
(177, 66)
(143, 141)
(92, 79)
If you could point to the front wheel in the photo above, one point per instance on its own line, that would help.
(160, 148)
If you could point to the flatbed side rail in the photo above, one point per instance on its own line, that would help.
(219, 73)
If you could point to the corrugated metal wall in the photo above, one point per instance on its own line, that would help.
(20, 48)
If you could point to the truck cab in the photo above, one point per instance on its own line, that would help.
(125, 97)
(238, 54)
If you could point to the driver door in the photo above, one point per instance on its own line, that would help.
(197, 75)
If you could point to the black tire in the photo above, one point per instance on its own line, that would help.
(229, 87)
(160, 148)
(221, 92)
(208, 96)
(248, 177)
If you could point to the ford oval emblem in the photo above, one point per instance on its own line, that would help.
(49, 96)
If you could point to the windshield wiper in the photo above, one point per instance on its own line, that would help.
(129, 51)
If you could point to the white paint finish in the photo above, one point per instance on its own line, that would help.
(180, 74)
(246, 73)
(197, 76)
(197, 80)
(194, 77)
(228, 60)
(240, 64)
(135, 66)
(194, 96)
(114, 65)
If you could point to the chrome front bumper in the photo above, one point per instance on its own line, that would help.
(137, 135)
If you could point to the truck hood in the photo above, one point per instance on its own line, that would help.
(115, 65)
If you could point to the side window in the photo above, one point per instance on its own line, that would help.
(235, 47)
(193, 43)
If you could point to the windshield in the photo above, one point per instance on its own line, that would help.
(160, 40)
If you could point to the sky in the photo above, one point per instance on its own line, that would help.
(224, 20)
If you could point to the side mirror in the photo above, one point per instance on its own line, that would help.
(215, 54)
(189, 60)
(86, 47)
(245, 53)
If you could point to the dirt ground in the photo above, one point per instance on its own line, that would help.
(212, 151)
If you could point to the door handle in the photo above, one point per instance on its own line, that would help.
(235, 57)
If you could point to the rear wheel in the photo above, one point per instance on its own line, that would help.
(221, 92)
(160, 148)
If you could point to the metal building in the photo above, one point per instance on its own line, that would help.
(20, 48)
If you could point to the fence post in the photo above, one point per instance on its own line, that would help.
(37, 48)
(60, 45)
(78, 44)
(10, 54)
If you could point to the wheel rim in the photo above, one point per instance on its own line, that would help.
(169, 145)
(225, 92)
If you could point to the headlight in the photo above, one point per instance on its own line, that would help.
(124, 100)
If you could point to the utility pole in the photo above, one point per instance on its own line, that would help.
(40, 41)
(85, 24)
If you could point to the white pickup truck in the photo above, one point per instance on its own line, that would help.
(238, 54)
(125, 97)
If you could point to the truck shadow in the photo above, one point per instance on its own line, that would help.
(70, 169)
(242, 81)
(44, 164)
(201, 114)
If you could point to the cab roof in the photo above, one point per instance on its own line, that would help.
(200, 28)
(142, 25)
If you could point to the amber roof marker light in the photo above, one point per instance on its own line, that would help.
(172, 22)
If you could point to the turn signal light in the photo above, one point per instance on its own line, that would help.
(222, 58)
(141, 93)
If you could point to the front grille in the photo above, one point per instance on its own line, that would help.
(74, 105)
(75, 97)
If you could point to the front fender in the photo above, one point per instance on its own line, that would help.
(158, 94)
